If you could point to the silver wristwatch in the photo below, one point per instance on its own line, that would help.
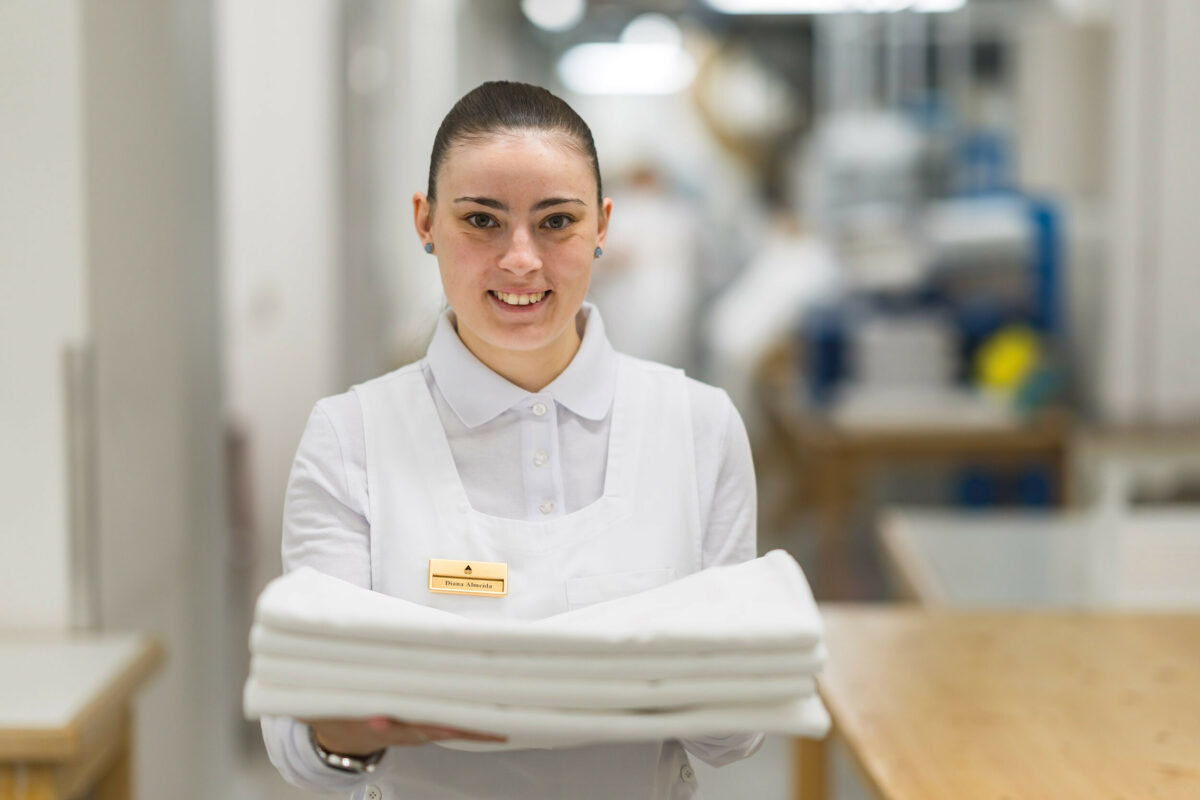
(358, 765)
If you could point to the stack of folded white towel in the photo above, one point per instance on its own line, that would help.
(727, 650)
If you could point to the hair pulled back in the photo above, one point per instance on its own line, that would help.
(499, 107)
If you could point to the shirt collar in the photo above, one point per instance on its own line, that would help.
(477, 395)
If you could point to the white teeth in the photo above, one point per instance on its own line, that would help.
(519, 299)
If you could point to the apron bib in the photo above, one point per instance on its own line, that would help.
(642, 532)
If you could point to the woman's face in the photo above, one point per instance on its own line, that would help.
(514, 229)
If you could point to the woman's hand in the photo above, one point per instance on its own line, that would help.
(360, 737)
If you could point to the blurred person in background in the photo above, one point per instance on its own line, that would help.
(648, 284)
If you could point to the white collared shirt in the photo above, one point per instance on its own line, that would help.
(520, 455)
(512, 460)
(514, 449)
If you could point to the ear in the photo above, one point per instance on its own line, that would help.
(423, 217)
(602, 223)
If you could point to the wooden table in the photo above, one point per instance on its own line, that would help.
(940, 705)
(65, 713)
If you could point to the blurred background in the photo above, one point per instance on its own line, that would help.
(940, 253)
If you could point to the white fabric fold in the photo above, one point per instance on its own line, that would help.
(727, 650)
(267, 641)
(563, 692)
(540, 727)
(764, 604)
(748, 662)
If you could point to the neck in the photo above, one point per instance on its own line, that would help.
(532, 370)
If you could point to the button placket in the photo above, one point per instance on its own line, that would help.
(540, 485)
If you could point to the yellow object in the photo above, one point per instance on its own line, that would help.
(1007, 358)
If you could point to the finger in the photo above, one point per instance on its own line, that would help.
(441, 733)
(484, 737)
(456, 733)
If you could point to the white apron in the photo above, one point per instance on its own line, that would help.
(643, 531)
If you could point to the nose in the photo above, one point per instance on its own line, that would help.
(521, 256)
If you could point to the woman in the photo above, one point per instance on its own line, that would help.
(523, 439)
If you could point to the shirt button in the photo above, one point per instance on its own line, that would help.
(539, 458)
(373, 793)
(687, 774)
(539, 409)
(546, 506)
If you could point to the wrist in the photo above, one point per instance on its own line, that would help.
(337, 747)
(335, 757)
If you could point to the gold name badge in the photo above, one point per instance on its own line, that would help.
(482, 578)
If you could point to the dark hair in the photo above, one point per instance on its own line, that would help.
(502, 106)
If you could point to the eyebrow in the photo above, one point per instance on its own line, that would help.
(538, 206)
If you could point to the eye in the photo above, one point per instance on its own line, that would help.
(557, 222)
(480, 220)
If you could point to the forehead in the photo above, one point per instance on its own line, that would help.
(516, 160)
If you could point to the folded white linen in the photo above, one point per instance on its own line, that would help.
(265, 640)
(543, 728)
(562, 692)
(764, 604)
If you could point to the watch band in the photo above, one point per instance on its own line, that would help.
(358, 765)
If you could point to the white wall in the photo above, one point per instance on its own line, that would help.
(426, 54)
(106, 239)
(42, 301)
(278, 120)
(1150, 372)
(1175, 327)
(1062, 75)
(153, 306)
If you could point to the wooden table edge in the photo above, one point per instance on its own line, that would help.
(917, 577)
(67, 742)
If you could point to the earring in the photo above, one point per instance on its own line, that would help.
(598, 252)
(429, 247)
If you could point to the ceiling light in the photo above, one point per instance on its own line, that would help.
(938, 6)
(554, 15)
(652, 29)
(779, 6)
(831, 6)
(626, 68)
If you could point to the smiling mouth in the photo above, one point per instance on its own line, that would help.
(511, 299)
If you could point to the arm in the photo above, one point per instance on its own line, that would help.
(730, 531)
(326, 526)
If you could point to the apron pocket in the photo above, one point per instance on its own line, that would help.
(593, 589)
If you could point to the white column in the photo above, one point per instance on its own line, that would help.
(278, 77)
(1175, 325)
(1150, 372)
(42, 301)
(152, 274)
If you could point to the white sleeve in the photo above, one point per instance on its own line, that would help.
(292, 754)
(325, 526)
(325, 511)
(731, 525)
(730, 537)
